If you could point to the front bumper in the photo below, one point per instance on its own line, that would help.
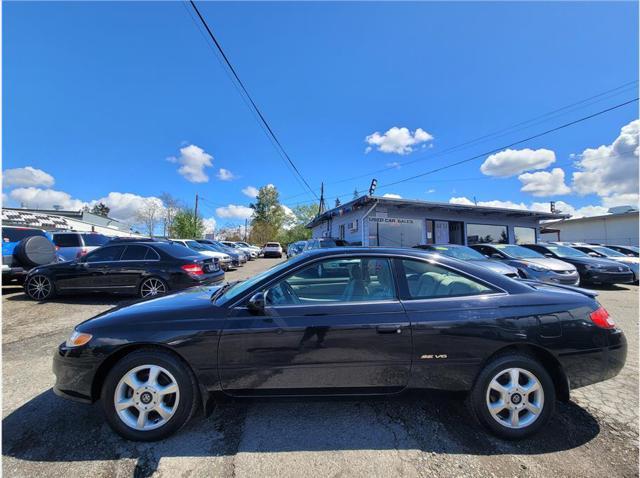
(605, 277)
(74, 374)
(553, 277)
(10, 273)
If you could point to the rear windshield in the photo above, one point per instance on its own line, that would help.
(67, 240)
(95, 239)
(10, 234)
(176, 250)
(273, 244)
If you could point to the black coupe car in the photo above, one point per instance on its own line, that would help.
(345, 321)
(146, 269)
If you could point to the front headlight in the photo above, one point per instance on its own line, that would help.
(77, 339)
(535, 267)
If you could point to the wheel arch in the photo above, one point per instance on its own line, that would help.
(107, 364)
(546, 359)
(163, 275)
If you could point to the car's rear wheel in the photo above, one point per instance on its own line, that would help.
(149, 395)
(40, 287)
(153, 286)
(514, 396)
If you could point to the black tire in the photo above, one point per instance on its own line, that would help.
(35, 251)
(186, 383)
(160, 285)
(40, 287)
(481, 396)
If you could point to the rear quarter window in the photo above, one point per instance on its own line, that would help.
(67, 240)
(95, 240)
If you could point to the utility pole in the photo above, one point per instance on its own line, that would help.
(195, 217)
(321, 206)
(245, 230)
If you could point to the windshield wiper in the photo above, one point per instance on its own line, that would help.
(223, 289)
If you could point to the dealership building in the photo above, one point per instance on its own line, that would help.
(381, 221)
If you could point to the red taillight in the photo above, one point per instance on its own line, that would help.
(601, 318)
(81, 253)
(193, 269)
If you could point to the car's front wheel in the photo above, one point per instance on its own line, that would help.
(149, 395)
(40, 287)
(514, 396)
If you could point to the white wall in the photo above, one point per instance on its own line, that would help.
(614, 229)
(82, 226)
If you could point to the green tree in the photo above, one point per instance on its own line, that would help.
(268, 215)
(100, 209)
(186, 226)
(295, 227)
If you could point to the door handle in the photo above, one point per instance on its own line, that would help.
(389, 329)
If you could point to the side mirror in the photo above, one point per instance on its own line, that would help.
(256, 303)
(594, 254)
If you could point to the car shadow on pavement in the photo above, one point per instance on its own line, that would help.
(84, 299)
(50, 429)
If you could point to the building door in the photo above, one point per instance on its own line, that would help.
(442, 232)
(456, 235)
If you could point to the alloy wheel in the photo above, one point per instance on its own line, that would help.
(152, 287)
(146, 397)
(39, 287)
(515, 398)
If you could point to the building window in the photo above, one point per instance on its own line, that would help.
(341, 231)
(481, 233)
(525, 235)
(394, 232)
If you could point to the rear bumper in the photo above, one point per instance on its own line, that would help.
(603, 277)
(593, 366)
(10, 273)
(272, 254)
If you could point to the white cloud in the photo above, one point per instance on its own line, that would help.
(431, 191)
(397, 140)
(626, 199)
(610, 169)
(125, 206)
(27, 176)
(250, 191)
(225, 175)
(561, 206)
(193, 160)
(209, 225)
(234, 211)
(45, 199)
(515, 161)
(392, 196)
(393, 164)
(544, 183)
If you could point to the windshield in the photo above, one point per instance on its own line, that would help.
(564, 251)
(605, 251)
(517, 252)
(241, 287)
(462, 253)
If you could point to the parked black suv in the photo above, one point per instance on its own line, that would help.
(139, 268)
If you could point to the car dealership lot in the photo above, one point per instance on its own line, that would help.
(417, 434)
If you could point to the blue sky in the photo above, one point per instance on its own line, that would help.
(99, 97)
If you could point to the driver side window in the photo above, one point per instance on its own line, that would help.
(336, 280)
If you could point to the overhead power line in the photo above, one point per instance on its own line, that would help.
(261, 117)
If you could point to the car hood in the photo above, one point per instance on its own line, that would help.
(194, 303)
(549, 263)
(496, 266)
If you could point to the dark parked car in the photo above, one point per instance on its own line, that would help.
(531, 264)
(465, 253)
(22, 249)
(611, 254)
(345, 321)
(295, 248)
(137, 268)
(592, 270)
(238, 258)
(324, 242)
(630, 251)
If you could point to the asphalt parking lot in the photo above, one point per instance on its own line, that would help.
(417, 434)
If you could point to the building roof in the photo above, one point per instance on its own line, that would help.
(576, 220)
(17, 217)
(80, 215)
(368, 201)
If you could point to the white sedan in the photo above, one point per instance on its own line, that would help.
(223, 259)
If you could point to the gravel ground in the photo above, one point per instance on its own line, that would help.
(416, 434)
